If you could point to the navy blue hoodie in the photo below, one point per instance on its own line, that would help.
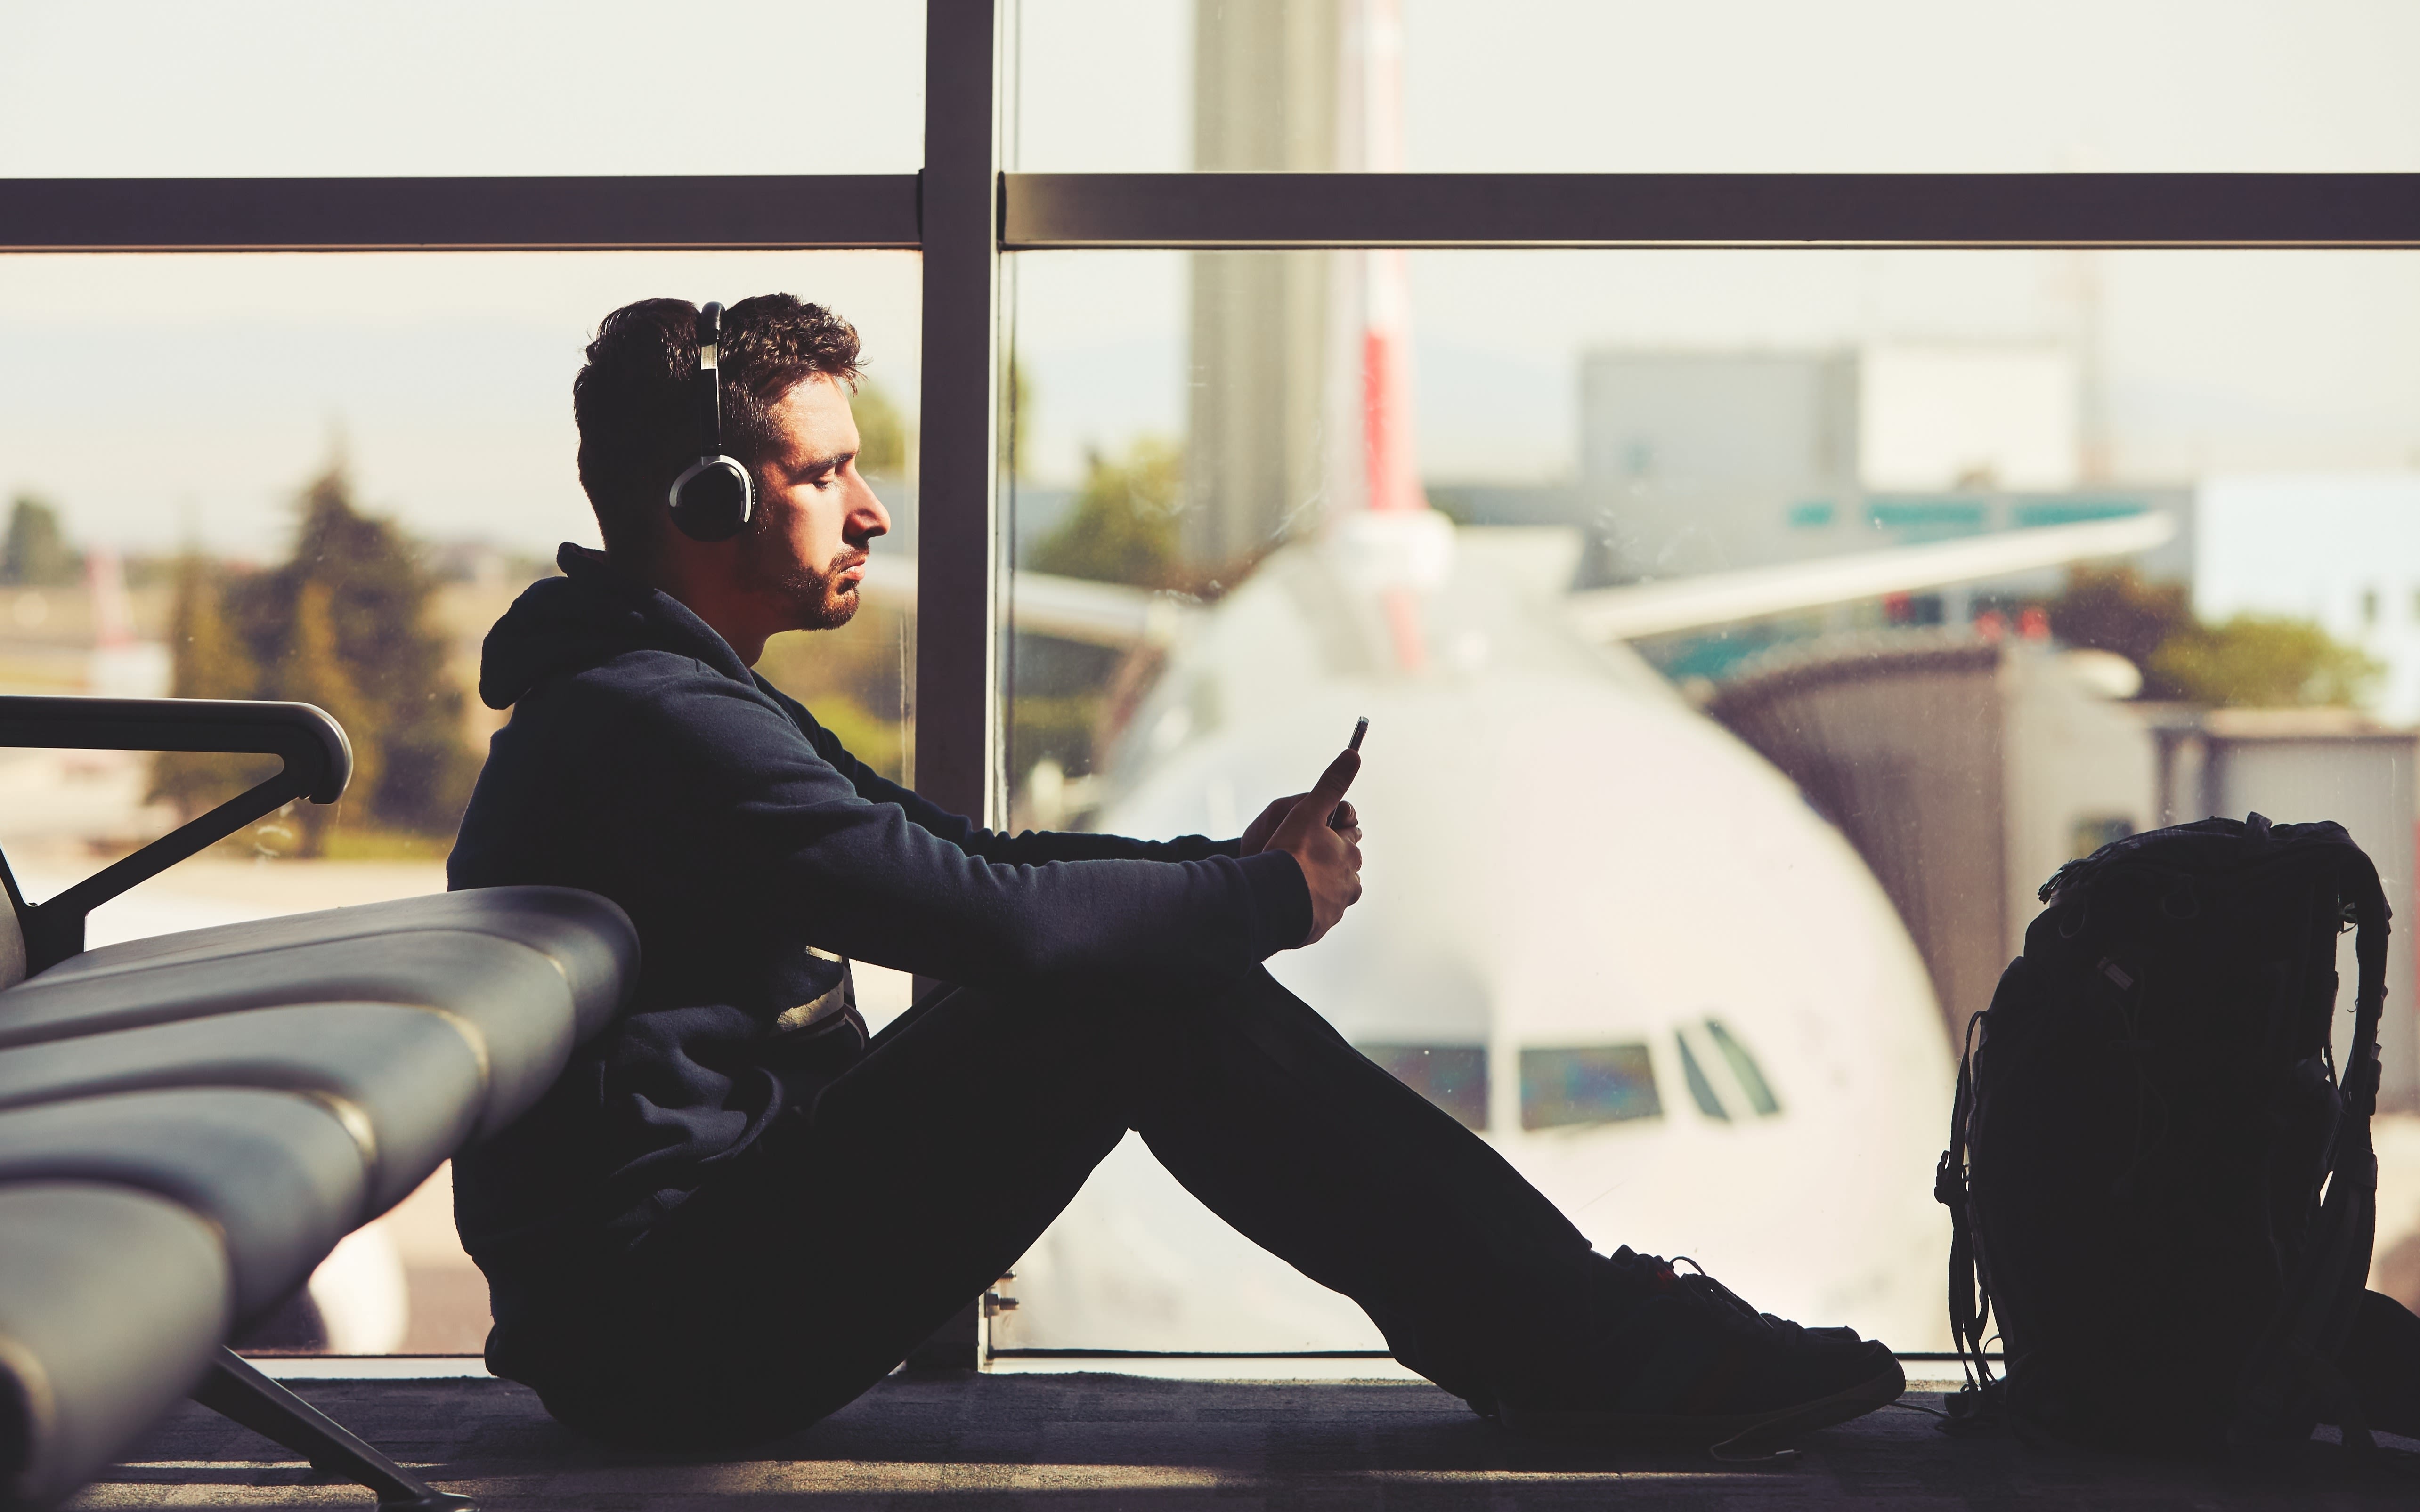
(644, 761)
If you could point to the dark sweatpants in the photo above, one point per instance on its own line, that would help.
(802, 1273)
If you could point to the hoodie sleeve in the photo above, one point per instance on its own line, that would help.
(1031, 847)
(759, 810)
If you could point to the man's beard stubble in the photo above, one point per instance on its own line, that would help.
(810, 592)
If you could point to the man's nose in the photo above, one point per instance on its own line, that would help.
(869, 519)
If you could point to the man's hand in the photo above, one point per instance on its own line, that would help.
(1344, 820)
(1257, 833)
(1328, 853)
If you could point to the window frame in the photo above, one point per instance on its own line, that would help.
(962, 213)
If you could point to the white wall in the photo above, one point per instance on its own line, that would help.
(2070, 755)
(1935, 416)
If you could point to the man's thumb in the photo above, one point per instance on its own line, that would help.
(1339, 776)
(1313, 812)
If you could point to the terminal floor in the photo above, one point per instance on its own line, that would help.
(1095, 1441)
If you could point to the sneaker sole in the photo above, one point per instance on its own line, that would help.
(1740, 1432)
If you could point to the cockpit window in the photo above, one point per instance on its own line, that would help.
(1452, 1076)
(1701, 1091)
(1744, 1066)
(1587, 1083)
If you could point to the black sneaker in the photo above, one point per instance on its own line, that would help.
(1693, 1363)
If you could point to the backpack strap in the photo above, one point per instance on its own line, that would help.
(1970, 1296)
(2294, 1357)
(2371, 917)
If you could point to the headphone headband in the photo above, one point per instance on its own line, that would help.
(709, 376)
(714, 496)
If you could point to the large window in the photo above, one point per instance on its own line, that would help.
(323, 478)
(1687, 864)
(1813, 471)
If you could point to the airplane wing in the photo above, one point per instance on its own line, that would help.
(1065, 609)
(1114, 614)
(1637, 610)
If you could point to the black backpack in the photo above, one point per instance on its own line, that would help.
(2159, 1180)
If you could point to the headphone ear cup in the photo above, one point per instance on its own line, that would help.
(713, 499)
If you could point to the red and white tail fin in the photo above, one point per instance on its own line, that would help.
(112, 611)
(1383, 510)
(119, 666)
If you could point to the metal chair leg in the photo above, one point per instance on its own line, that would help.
(234, 1390)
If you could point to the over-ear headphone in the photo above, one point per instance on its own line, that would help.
(713, 497)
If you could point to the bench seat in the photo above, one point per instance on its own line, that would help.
(189, 1123)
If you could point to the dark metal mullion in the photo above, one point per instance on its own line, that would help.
(1245, 211)
(1224, 210)
(957, 680)
(957, 693)
(433, 214)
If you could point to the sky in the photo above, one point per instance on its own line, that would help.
(2212, 361)
(160, 398)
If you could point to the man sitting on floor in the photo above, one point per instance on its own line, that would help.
(734, 1212)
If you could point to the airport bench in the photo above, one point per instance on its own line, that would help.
(189, 1123)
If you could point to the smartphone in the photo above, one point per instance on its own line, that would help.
(1361, 728)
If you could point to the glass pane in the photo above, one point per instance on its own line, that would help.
(1745, 85)
(148, 88)
(325, 477)
(1706, 792)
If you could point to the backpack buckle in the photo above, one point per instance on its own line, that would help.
(1950, 1186)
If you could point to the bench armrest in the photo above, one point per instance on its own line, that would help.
(316, 759)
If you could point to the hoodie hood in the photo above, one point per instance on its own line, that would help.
(584, 618)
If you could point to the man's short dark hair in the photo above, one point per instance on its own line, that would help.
(638, 413)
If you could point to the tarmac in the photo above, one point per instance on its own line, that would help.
(1099, 1441)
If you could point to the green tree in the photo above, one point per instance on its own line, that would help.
(881, 434)
(1122, 528)
(2114, 609)
(2263, 661)
(411, 769)
(35, 554)
(209, 661)
(1017, 418)
(2250, 661)
(313, 670)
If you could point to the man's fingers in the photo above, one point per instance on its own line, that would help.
(1321, 801)
(1258, 834)
(1339, 776)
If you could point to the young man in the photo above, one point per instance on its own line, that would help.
(733, 1214)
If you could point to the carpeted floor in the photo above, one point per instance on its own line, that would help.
(1082, 1441)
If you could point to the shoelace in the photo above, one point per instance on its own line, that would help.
(1665, 1277)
